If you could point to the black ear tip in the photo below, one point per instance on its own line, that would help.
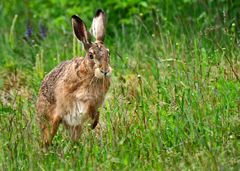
(75, 17)
(98, 12)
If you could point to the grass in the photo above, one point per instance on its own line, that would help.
(174, 103)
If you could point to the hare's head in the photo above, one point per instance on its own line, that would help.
(97, 54)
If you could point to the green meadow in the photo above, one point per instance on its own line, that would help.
(174, 101)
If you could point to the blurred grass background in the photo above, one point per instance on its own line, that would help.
(174, 102)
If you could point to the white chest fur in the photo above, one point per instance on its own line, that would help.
(76, 115)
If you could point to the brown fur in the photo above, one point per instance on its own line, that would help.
(74, 86)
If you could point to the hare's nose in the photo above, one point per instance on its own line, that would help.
(104, 72)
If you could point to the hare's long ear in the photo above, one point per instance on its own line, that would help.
(98, 25)
(81, 32)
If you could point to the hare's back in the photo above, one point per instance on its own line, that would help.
(50, 81)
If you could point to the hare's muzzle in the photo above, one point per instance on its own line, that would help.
(104, 72)
(101, 73)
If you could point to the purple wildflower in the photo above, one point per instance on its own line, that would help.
(29, 30)
(43, 30)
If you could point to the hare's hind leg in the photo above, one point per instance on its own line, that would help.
(54, 126)
(42, 107)
(48, 120)
(44, 126)
(49, 129)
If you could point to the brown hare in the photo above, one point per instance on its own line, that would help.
(73, 91)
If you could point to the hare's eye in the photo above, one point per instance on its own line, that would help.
(90, 55)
